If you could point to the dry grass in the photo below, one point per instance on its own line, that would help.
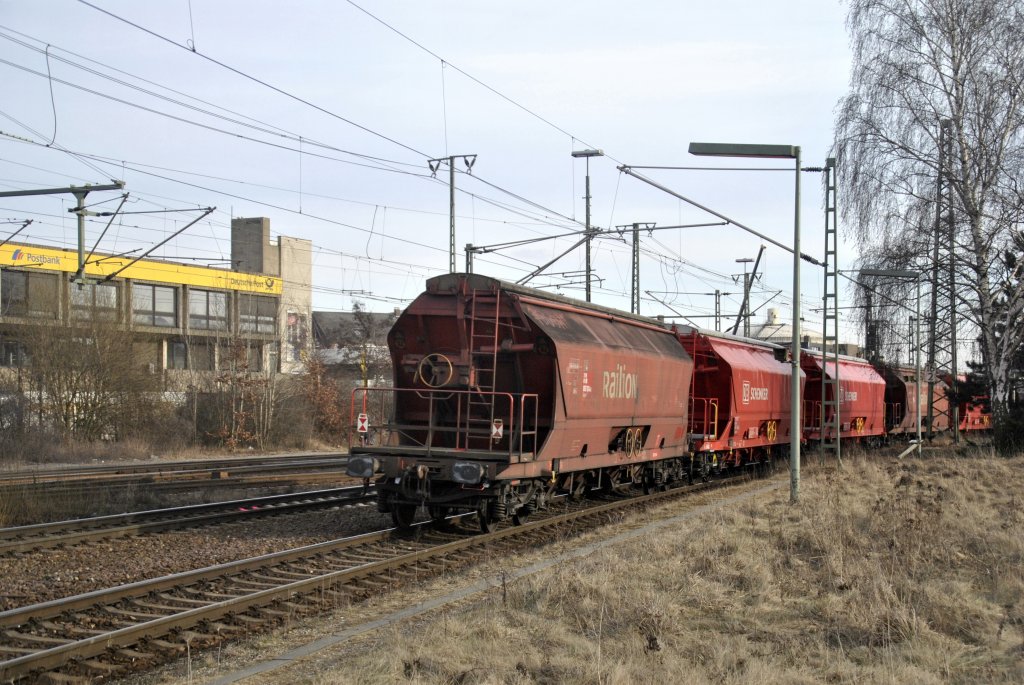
(898, 572)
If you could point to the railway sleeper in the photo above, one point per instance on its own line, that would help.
(34, 639)
(94, 620)
(225, 629)
(55, 678)
(133, 655)
(369, 584)
(332, 596)
(198, 639)
(165, 646)
(273, 577)
(254, 584)
(102, 668)
(15, 652)
(214, 597)
(168, 609)
(136, 614)
(293, 575)
(72, 629)
(253, 621)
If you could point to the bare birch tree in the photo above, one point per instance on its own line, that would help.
(916, 63)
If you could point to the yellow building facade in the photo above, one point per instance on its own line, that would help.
(183, 318)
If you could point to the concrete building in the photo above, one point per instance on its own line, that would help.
(354, 345)
(290, 259)
(183, 318)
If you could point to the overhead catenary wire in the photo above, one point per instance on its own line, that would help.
(215, 191)
(264, 186)
(298, 149)
(467, 75)
(255, 79)
(333, 114)
(291, 210)
(499, 188)
(256, 124)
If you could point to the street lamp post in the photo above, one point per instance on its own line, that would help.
(587, 154)
(916, 275)
(778, 152)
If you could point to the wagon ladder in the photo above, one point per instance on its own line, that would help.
(484, 342)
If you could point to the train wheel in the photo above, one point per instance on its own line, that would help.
(438, 513)
(519, 518)
(402, 515)
(483, 515)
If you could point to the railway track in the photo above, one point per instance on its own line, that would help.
(139, 625)
(78, 531)
(175, 475)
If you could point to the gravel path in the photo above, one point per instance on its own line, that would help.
(52, 574)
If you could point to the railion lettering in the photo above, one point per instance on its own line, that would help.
(618, 384)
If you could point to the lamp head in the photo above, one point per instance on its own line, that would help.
(744, 150)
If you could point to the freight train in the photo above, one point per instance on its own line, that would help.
(505, 397)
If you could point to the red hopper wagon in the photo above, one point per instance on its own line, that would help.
(740, 400)
(861, 398)
(505, 396)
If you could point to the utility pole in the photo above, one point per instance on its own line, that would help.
(587, 154)
(634, 302)
(635, 298)
(939, 319)
(870, 328)
(830, 387)
(743, 316)
(954, 407)
(80, 192)
(434, 165)
(748, 281)
(718, 310)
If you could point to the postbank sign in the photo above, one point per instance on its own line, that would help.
(51, 259)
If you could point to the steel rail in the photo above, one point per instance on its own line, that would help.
(60, 474)
(49, 535)
(271, 474)
(388, 552)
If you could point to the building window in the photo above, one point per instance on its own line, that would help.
(95, 301)
(12, 354)
(147, 354)
(177, 355)
(207, 310)
(154, 305)
(201, 356)
(257, 314)
(295, 329)
(29, 294)
(273, 358)
(254, 356)
(240, 356)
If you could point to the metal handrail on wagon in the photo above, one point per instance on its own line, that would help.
(708, 428)
(894, 415)
(813, 410)
(518, 422)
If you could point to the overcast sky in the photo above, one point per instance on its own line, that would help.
(322, 115)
